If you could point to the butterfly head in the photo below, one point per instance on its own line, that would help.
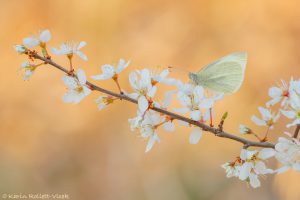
(193, 77)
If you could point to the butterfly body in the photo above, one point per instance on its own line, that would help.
(225, 75)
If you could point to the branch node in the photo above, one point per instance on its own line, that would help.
(220, 126)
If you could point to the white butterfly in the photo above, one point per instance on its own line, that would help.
(225, 75)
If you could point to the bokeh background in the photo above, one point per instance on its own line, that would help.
(47, 146)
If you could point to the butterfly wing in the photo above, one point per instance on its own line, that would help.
(239, 57)
(224, 75)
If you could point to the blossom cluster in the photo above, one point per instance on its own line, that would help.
(285, 100)
(249, 166)
(196, 104)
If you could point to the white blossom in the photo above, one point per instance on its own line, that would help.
(253, 165)
(69, 49)
(280, 93)
(294, 111)
(77, 88)
(103, 101)
(159, 77)
(28, 69)
(135, 123)
(43, 38)
(249, 166)
(109, 71)
(288, 153)
(193, 100)
(231, 169)
(148, 125)
(141, 83)
(147, 128)
(268, 118)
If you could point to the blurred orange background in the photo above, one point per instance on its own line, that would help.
(51, 147)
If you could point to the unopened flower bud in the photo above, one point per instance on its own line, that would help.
(245, 130)
(20, 48)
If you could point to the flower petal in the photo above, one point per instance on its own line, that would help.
(183, 123)
(45, 36)
(133, 80)
(275, 92)
(154, 138)
(289, 113)
(206, 103)
(143, 104)
(258, 121)
(181, 110)
(56, 51)
(184, 99)
(30, 42)
(81, 44)
(70, 82)
(266, 153)
(122, 65)
(195, 136)
(81, 76)
(195, 115)
(151, 92)
(254, 181)
(168, 98)
(82, 55)
(169, 126)
(244, 154)
(282, 169)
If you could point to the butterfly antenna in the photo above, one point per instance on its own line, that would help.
(173, 68)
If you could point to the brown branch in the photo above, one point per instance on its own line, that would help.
(204, 127)
(296, 131)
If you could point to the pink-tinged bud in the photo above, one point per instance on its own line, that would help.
(20, 48)
(245, 130)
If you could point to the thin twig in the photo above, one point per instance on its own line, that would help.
(296, 131)
(204, 127)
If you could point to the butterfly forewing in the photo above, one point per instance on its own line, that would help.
(224, 75)
(239, 57)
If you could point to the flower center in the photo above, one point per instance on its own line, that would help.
(108, 100)
(143, 92)
(42, 44)
(153, 82)
(79, 89)
(270, 122)
(285, 93)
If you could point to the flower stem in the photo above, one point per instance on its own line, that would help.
(259, 139)
(266, 135)
(71, 64)
(115, 78)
